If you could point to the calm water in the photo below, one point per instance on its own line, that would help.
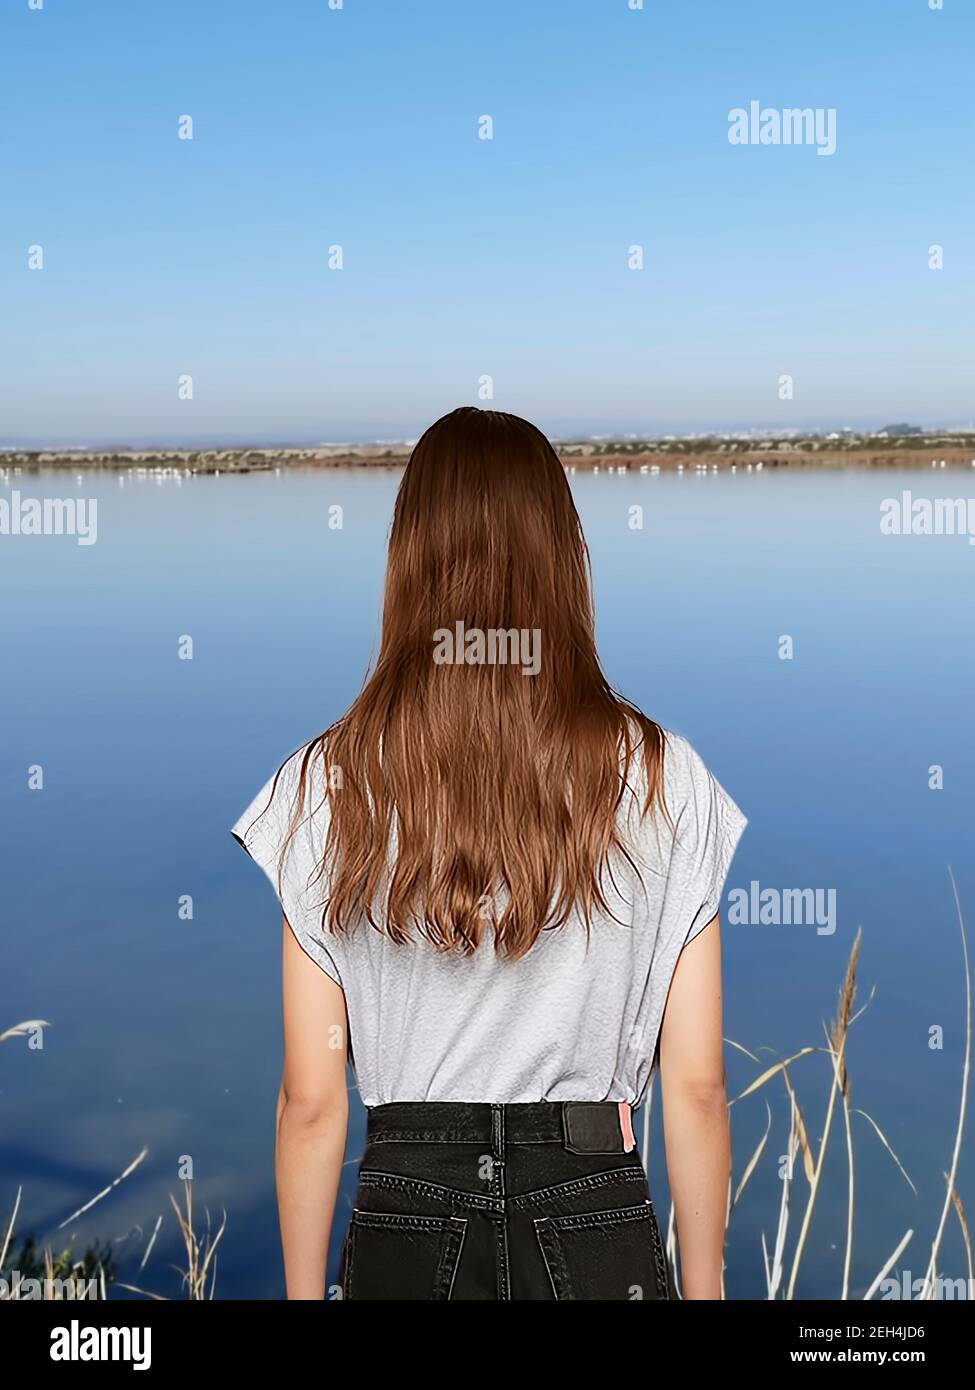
(165, 1032)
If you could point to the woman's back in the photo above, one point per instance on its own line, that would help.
(576, 1018)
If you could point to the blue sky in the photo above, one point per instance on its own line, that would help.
(465, 257)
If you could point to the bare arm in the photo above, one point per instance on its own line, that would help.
(696, 1131)
(312, 1117)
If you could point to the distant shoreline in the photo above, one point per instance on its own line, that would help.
(640, 456)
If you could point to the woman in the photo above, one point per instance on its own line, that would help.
(500, 884)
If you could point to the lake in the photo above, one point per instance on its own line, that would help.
(165, 1030)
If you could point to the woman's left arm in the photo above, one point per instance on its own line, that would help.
(312, 1117)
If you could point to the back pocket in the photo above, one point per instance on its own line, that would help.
(611, 1255)
(391, 1256)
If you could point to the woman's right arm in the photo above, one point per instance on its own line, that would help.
(312, 1117)
(696, 1130)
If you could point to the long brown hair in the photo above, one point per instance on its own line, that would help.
(459, 781)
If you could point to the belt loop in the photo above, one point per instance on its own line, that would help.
(497, 1132)
(564, 1123)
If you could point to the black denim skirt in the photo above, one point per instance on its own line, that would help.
(467, 1202)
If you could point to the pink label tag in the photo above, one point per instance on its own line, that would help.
(626, 1125)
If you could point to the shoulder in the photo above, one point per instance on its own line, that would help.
(293, 791)
(685, 773)
(679, 770)
(282, 829)
(699, 806)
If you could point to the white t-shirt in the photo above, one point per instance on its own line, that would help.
(570, 1020)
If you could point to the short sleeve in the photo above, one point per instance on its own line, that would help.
(708, 826)
(264, 831)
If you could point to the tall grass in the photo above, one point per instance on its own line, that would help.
(53, 1269)
(788, 1249)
